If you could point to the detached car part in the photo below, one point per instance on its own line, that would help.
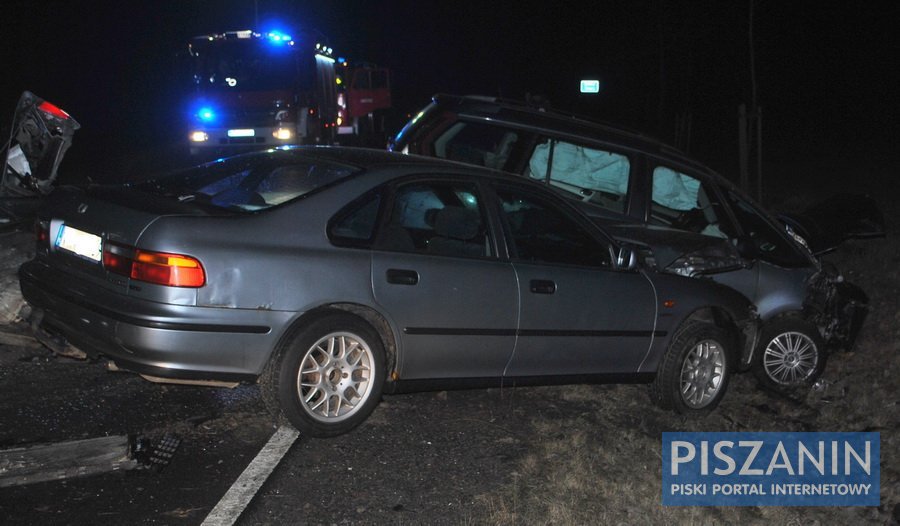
(40, 135)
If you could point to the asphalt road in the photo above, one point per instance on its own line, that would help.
(421, 458)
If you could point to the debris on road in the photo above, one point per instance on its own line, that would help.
(18, 340)
(156, 455)
(77, 458)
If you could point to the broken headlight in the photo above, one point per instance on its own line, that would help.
(711, 259)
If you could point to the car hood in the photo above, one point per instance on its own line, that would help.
(677, 251)
(829, 223)
(668, 249)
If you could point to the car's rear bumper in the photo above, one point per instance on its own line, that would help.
(175, 341)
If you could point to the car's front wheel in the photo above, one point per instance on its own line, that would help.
(791, 354)
(328, 378)
(693, 374)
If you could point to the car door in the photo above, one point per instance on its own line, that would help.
(436, 274)
(579, 314)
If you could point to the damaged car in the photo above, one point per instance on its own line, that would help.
(331, 275)
(691, 220)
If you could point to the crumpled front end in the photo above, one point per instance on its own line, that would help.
(837, 307)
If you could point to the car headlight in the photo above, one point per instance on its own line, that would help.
(283, 134)
(709, 260)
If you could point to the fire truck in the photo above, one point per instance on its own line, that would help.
(265, 89)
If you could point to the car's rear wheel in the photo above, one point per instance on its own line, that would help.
(693, 374)
(791, 354)
(328, 377)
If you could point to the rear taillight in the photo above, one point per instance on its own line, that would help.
(161, 268)
(54, 110)
(117, 259)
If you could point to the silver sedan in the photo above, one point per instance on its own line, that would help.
(333, 275)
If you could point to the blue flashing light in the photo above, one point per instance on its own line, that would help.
(206, 114)
(277, 37)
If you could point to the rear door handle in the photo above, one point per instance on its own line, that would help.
(543, 286)
(402, 277)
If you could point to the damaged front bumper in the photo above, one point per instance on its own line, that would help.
(837, 307)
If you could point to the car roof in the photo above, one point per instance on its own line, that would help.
(367, 159)
(361, 158)
(537, 118)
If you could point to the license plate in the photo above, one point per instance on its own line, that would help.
(79, 242)
(242, 133)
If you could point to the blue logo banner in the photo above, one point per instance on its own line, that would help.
(771, 469)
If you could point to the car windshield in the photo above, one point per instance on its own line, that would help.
(249, 183)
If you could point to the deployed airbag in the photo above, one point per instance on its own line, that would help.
(582, 167)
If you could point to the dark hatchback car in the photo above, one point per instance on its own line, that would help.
(696, 221)
(331, 275)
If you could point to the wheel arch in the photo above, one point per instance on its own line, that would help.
(738, 351)
(367, 314)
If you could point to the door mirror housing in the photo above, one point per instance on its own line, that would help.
(626, 258)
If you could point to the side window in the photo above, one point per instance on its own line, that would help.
(476, 143)
(684, 202)
(441, 218)
(355, 224)
(598, 176)
(769, 243)
(544, 233)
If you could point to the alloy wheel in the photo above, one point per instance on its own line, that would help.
(702, 374)
(790, 358)
(335, 377)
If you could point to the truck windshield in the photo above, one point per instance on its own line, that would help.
(246, 65)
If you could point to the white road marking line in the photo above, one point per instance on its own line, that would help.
(245, 487)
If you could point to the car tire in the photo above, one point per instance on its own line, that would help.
(791, 354)
(327, 378)
(693, 374)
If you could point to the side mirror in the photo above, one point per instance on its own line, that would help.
(626, 258)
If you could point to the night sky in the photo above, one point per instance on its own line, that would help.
(826, 76)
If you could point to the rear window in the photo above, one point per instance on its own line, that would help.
(250, 183)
